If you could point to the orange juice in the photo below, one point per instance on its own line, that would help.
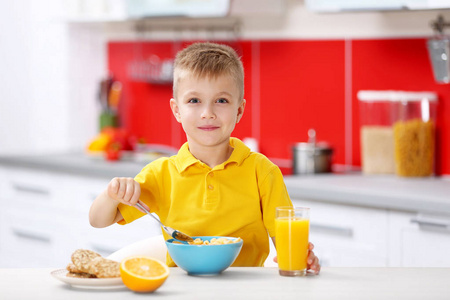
(292, 237)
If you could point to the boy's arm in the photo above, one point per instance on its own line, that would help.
(104, 210)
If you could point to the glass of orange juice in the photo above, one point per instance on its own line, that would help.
(292, 239)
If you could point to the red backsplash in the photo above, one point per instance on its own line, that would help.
(291, 86)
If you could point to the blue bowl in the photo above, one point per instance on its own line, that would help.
(204, 259)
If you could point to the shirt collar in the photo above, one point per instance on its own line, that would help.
(240, 152)
(185, 159)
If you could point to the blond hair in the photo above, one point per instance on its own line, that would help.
(209, 60)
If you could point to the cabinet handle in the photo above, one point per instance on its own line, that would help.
(334, 230)
(30, 189)
(31, 236)
(432, 224)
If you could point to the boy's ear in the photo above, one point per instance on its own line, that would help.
(241, 109)
(175, 109)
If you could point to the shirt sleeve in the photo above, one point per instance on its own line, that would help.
(273, 193)
(149, 193)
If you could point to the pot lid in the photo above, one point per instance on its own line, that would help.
(321, 146)
(373, 96)
(311, 144)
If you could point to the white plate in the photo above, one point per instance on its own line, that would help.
(88, 283)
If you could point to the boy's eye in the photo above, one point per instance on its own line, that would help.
(193, 100)
(222, 100)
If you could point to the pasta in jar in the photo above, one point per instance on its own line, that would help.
(414, 147)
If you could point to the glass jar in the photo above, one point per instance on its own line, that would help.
(397, 132)
(414, 134)
(376, 133)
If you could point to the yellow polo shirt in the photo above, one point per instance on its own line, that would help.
(236, 198)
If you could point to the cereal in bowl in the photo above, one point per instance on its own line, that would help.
(214, 241)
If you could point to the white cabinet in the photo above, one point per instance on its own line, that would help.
(350, 236)
(419, 240)
(346, 236)
(44, 218)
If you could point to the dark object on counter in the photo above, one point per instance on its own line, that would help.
(312, 157)
(108, 119)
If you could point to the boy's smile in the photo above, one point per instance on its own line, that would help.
(208, 109)
(208, 128)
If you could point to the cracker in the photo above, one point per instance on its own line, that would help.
(82, 257)
(104, 268)
(80, 275)
(72, 269)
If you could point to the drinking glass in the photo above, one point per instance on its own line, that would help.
(292, 239)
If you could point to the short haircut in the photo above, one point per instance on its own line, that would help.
(209, 60)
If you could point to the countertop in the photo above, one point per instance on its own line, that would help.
(248, 283)
(76, 163)
(424, 195)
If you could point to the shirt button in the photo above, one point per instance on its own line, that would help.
(211, 174)
(210, 187)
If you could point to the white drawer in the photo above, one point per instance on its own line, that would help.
(31, 189)
(33, 240)
(348, 236)
(419, 240)
(47, 218)
(80, 192)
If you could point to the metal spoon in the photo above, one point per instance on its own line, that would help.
(170, 231)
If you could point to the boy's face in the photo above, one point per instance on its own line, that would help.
(207, 108)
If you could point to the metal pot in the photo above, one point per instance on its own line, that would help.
(312, 157)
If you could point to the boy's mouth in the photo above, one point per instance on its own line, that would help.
(208, 127)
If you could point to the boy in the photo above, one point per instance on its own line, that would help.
(214, 185)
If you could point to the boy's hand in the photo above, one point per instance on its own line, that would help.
(124, 190)
(312, 260)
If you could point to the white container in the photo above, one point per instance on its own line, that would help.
(397, 132)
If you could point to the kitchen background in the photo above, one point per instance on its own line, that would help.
(304, 67)
(303, 70)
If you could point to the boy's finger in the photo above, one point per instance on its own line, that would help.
(114, 186)
(121, 191)
(311, 257)
(144, 205)
(129, 192)
(135, 198)
(316, 265)
(136, 192)
(311, 246)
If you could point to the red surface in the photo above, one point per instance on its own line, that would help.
(400, 64)
(301, 86)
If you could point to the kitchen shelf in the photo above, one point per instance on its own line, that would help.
(230, 23)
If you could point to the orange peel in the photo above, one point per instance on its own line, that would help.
(143, 273)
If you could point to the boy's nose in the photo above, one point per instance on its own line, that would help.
(208, 113)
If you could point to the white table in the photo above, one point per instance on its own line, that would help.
(248, 283)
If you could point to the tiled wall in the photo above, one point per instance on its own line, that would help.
(291, 86)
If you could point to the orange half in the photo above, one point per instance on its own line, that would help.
(143, 273)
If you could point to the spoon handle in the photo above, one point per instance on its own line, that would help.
(148, 213)
(170, 231)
